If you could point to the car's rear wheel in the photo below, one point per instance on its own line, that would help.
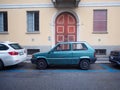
(1, 65)
(41, 64)
(84, 64)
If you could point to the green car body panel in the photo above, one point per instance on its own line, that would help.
(69, 55)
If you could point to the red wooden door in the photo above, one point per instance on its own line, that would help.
(65, 29)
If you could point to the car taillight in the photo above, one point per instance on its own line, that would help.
(13, 53)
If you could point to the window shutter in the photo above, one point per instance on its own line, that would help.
(5, 21)
(36, 20)
(100, 21)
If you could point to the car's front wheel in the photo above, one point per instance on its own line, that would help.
(41, 64)
(84, 64)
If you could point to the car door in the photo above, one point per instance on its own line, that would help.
(78, 50)
(61, 55)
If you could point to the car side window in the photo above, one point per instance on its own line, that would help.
(79, 46)
(3, 47)
(62, 47)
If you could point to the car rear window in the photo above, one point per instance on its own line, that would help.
(16, 46)
(3, 47)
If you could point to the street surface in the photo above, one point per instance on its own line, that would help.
(25, 76)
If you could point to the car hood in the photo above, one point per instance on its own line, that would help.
(40, 54)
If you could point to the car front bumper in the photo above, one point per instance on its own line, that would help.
(114, 60)
(33, 60)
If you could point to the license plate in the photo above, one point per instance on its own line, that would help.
(21, 53)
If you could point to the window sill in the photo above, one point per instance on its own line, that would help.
(4, 33)
(32, 32)
(100, 32)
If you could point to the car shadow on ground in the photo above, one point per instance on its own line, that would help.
(19, 66)
(29, 66)
(114, 66)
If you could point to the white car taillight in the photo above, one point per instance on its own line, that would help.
(13, 53)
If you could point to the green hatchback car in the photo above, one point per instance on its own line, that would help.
(66, 53)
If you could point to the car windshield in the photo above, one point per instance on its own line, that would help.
(15, 46)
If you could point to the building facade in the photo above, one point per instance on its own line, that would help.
(39, 24)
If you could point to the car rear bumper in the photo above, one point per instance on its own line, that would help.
(14, 61)
(93, 60)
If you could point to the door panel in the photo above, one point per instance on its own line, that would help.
(61, 55)
(65, 29)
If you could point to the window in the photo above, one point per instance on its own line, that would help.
(32, 21)
(62, 47)
(31, 51)
(3, 47)
(3, 22)
(100, 21)
(79, 46)
(100, 51)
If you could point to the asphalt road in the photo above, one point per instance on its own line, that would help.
(25, 76)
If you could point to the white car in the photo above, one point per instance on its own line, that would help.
(11, 53)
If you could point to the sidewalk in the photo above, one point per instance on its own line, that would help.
(99, 60)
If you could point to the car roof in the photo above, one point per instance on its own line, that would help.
(6, 42)
(72, 42)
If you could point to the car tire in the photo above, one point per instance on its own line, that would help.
(84, 64)
(41, 64)
(1, 65)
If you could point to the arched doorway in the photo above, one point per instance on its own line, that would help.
(65, 28)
